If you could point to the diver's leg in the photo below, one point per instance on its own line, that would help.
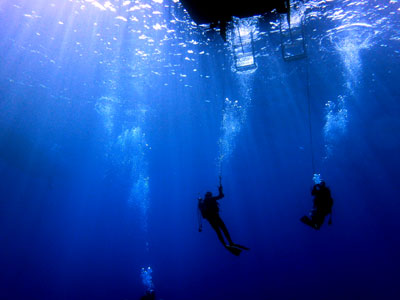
(318, 219)
(214, 225)
(222, 225)
(228, 237)
(232, 247)
(218, 224)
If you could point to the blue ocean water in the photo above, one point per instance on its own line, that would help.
(115, 116)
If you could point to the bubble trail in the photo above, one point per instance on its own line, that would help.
(147, 279)
(233, 119)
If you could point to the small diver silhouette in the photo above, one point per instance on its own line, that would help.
(322, 206)
(209, 209)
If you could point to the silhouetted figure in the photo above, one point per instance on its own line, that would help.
(150, 295)
(322, 207)
(209, 209)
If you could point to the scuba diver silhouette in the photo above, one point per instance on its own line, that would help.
(322, 207)
(209, 209)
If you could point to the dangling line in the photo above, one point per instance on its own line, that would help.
(220, 166)
(309, 115)
(221, 157)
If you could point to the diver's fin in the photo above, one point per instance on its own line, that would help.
(306, 220)
(240, 247)
(233, 250)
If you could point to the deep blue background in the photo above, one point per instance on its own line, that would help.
(69, 225)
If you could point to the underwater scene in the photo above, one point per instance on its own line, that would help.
(146, 156)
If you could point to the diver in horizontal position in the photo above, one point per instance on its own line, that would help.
(322, 207)
(209, 210)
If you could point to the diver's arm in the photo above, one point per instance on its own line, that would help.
(314, 190)
(221, 193)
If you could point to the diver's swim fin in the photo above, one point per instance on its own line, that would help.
(306, 220)
(233, 250)
(240, 247)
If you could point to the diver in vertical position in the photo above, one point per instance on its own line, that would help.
(209, 210)
(322, 207)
